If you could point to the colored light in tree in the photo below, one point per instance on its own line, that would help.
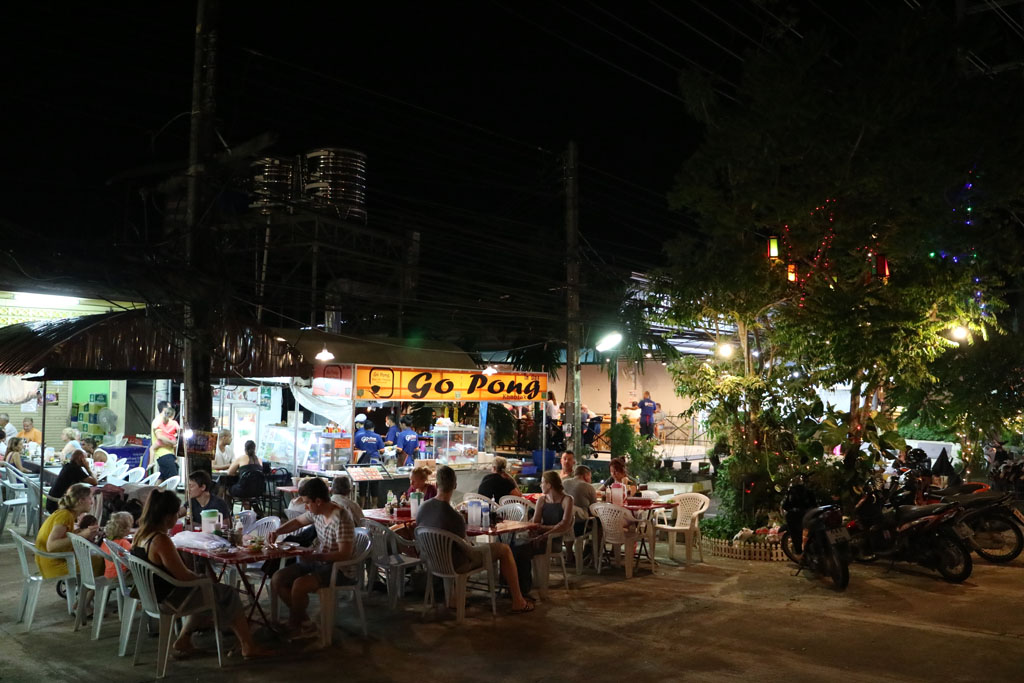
(773, 247)
(959, 333)
(791, 272)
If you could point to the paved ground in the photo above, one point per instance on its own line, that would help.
(721, 621)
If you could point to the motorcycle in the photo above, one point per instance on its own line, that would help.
(929, 535)
(814, 536)
(994, 521)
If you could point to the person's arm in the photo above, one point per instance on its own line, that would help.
(538, 511)
(235, 464)
(58, 541)
(164, 549)
(515, 487)
(344, 552)
(291, 525)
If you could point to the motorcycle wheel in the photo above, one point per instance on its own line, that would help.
(837, 569)
(786, 541)
(954, 559)
(996, 538)
(62, 589)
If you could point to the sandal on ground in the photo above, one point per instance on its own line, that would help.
(528, 608)
(187, 653)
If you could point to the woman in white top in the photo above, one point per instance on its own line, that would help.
(554, 415)
(71, 443)
(222, 460)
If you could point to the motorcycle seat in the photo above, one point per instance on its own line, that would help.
(973, 500)
(906, 513)
(969, 487)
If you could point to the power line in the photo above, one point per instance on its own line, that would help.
(698, 31)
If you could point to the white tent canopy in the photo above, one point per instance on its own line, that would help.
(13, 389)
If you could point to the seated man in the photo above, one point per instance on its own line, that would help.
(341, 495)
(335, 535)
(582, 492)
(438, 513)
(200, 490)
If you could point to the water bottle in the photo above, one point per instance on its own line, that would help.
(473, 513)
(485, 516)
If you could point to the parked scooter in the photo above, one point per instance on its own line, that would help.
(814, 536)
(994, 521)
(929, 535)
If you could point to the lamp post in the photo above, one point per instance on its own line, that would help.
(611, 342)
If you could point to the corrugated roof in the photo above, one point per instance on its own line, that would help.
(139, 344)
(385, 351)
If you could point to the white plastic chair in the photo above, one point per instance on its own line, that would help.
(147, 480)
(90, 585)
(33, 580)
(118, 471)
(135, 475)
(554, 548)
(15, 499)
(618, 529)
(126, 604)
(650, 495)
(248, 518)
(385, 550)
(688, 512)
(525, 502)
(474, 496)
(169, 484)
(144, 574)
(435, 547)
(590, 533)
(329, 594)
(32, 495)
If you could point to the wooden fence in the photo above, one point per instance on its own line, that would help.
(758, 552)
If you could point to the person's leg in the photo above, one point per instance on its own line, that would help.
(507, 564)
(303, 586)
(282, 581)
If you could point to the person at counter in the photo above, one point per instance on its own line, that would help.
(165, 442)
(223, 456)
(200, 490)
(498, 483)
(418, 482)
(75, 471)
(369, 442)
(392, 437)
(407, 440)
(29, 431)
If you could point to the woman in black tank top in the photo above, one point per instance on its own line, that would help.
(554, 510)
(154, 545)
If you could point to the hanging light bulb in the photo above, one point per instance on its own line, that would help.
(959, 333)
(325, 355)
(490, 370)
(726, 350)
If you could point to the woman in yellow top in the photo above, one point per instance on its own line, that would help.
(53, 536)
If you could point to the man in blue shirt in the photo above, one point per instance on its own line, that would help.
(369, 442)
(647, 408)
(392, 436)
(407, 440)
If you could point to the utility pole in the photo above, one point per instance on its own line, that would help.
(572, 299)
(198, 307)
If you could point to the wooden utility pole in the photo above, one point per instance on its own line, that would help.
(198, 307)
(572, 301)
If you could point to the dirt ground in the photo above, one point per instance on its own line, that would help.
(723, 620)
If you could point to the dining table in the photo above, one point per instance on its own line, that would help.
(240, 557)
(644, 511)
(502, 527)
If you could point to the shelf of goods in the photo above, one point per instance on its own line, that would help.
(309, 446)
(455, 446)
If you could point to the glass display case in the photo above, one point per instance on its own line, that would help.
(456, 445)
(317, 449)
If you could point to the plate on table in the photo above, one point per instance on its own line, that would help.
(229, 550)
(287, 545)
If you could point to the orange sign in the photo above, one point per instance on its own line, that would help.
(418, 384)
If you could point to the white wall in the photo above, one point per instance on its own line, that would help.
(596, 389)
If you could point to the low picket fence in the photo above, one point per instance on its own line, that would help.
(736, 550)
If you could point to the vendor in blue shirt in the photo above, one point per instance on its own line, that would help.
(392, 436)
(369, 442)
(647, 409)
(407, 440)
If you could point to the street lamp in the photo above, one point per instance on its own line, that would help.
(725, 350)
(959, 333)
(611, 342)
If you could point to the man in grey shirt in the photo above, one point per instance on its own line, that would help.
(438, 513)
(582, 492)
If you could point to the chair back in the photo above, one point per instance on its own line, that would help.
(248, 518)
(30, 569)
(150, 480)
(382, 542)
(170, 484)
(525, 502)
(690, 504)
(474, 496)
(435, 548)
(134, 475)
(33, 494)
(84, 550)
(120, 468)
(263, 526)
(361, 545)
(514, 512)
(614, 520)
(119, 557)
(251, 484)
(144, 576)
(650, 495)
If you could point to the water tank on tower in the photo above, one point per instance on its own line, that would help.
(272, 185)
(336, 178)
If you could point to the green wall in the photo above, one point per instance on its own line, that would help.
(82, 388)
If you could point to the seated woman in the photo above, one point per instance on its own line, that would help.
(12, 458)
(74, 471)
(200, 490)
(71, 442)
(53, 535)
(418, 482)
(118, 526)
(498, 483)
(248, 462)
(154, 545)
(617, 467)
(341, 492)
(554, 512)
